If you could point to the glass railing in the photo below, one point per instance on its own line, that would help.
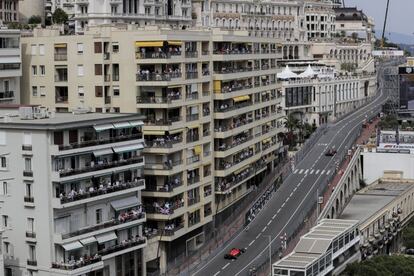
(102, 141)
(158, 76)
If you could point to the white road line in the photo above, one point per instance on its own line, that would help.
(217, 273)
(264, 228)
(269, 222)
(328, 172)
(301, 171)
(317, 172)
(258, 235)
(274, 216)
(296, 171)
(291, 194)
(251, 242)
(311, 172)
(283, 205)
(323, 171)
(224, 267)
(295, 189)
(278, 211)
(306, 171)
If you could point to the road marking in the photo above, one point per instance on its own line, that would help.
(269, 222)
(295, 189)
(264, 228)
(278, 211)
(251, 242)
(300, 172)
(311, 172)
(323, 171)
(291, 194)
(317, 172)
(306, 171)
(296, 171)
(283, 205)
(274, 216)
(258, 235)
(328, 172)
(217, 273)
(226, 265)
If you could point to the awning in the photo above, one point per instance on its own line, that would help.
(175, 42)
(197, 150)
(103, 127)
(154, 132)
(102, 152)
(88, 240)
(175, 131)
(217, 86)
(103, 238)
(149, 44)
(241, 98)
(136, 123)
(125, 203)
(122, 125)
(128, 148)
(193, 126)
(72, 246)
(11, 60)
(175, 86)
(61, 45)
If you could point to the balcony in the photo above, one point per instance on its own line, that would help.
(113, 188)
(6, 95)
(162, 143)
(193, 180)
(235, 143)
(171, 230)
(191, 75)
(165, 166)
(192, 117)
(61, 78)
(192, 201)
(235, 51)
(97, 142)
(29, 199)
(192, 137)
(156, 209)
(193, 54)
(158, 76)
(28, 173)
(162, 122)
(107, 224)
(98, 167)
(227, 108)
(77, 264)
(157, 55)
(167, 188)
(27, 147)
(32, 262)
(193, 159)
(156, 100)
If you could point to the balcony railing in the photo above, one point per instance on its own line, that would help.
(157, 55)
(158, 76)
(96, 142)
(192, 222)
(6, 95)
(29, 199)
(233, 107)
(61, 99)
(61, 78)
(191, 75)
(233, 52)
(115, 77)
(193, 180)
(104, 225)
(116, 187)
(77, 264)
(235, 143)
(192, 117)
(27, 147)
(150, 209)
(97, 167)
(166, 166)
(167, 188)
(192, 138)
(162, 143)
(32, 262)
(61, 57)
(171, 232)
(156, 100)
(30, 234)
(107, 100)
(233, 70)
(192, 201)
(193, 159)
(192, 96)
(28, 173)
(193, 54)
(162, 121)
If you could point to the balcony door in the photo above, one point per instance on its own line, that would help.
(73, 136)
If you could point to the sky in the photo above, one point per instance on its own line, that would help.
(399, 16)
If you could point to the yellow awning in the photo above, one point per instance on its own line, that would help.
(175, 42)
(241, 98)
(149, 44)
(197, 150)
(217, 86)
(194, 126)
(61, 45)
(175, 131)
(174, 86)
(154, 132)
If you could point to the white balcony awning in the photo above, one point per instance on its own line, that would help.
(125, 203)
(103, 238)
(103, 127)
(136, 123)
(122, 125)
(88, 240)
(10, 60)
(103, 152)
(128, 148)
(72, 246)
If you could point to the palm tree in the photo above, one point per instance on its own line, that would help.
(292, 123)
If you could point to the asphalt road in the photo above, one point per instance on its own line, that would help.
(289, 206)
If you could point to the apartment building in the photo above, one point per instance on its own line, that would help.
(9, 11)
(320, 18)
(71, 193)
(10, 66)
(352, 22)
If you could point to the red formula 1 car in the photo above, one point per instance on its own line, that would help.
(234, 253)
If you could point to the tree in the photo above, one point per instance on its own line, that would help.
(35, 19)
(60, 16)
(292, 123)
(382, 266)
(408, 235)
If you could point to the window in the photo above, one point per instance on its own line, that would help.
(2, 137)
(116, 91)
(98, 91)
(42, 91)
(115, 48)
(80, 70)
(4, 188)
(3, 162)
(34, 70)
(32, 252)
(5, 220)
(98, 216)
(98, 69)
(80, 48)
(28, 164)
(41, 49)
(34, 49)
(98, 47)
(6, 247)
(29, 192)
(27, 138)
(30, 225)
(117, 110)
(42, 69)
(34, 91)
(81, 91)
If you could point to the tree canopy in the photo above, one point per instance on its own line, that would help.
(35, 19)
(60, 16)
(382, 266)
